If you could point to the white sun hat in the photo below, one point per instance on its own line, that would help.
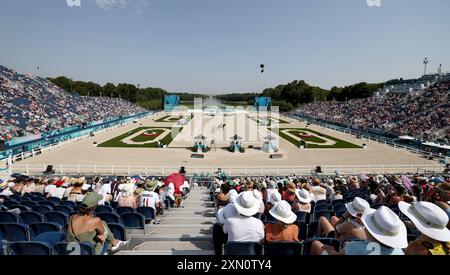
(233, 194)
(257, 195)
(385, 226)
(282, 212)
(274, 198)
(246, 204)
(303, 195)
(428, 218)
(357, 206)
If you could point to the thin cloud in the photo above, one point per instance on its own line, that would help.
(136, 6)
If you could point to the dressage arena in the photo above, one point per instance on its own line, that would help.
(159, 144)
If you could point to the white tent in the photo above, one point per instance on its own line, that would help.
(406, 138)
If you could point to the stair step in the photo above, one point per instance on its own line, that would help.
(173, 246)
(167, 252)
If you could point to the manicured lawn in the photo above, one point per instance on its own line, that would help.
(259, 121)
(117, 141)
(142, 138)
(340, 144)
(307, 139)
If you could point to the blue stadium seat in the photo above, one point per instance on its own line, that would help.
(321, 202)
(283, 249)
(302, 230)
(147, 212)
(337, 202)
(42, 208)
(14, 232)
(29, 249)
(326, 214)
(42, 227)
(321, 207)
(48, 203)
(119, 231)
(38, 199)
(50, 238)
(66, 248)
(339, 208)
(37, 194)
(103, 209)
(123, 210)
(312, 229)
(302, 216)
(243, 248)
(133, 220)
(270, 219)
(8, 217)
(63, 209)
(109, 217)
(15, 197)
(56, 217)
(28, 203)
(114, 204)
(70, 204)
(9, 202)
(30, 217)
(327, 241)
(55, 200)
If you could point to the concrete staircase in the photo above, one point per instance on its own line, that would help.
(182, 231)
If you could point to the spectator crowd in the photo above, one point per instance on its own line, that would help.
(32, 105)
(423, 114)
(356, 215)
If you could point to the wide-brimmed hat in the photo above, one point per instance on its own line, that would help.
(444, 187)
(150, 185)
(385, 226)
(303, 195)
(292, 187)
(357, 206)
(91, 200)
(428, 218)
(249, 184)
(257, 195)
(282, 212)
(274, 198)
(353, 180)
(246, 204)
(3, 184)
(232, 195)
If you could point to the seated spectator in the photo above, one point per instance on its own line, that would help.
(75, 190)
(50, 185)
(40, 186)
(222, 197)
(318, 193)
(337, 195)
(229, 210)
(349, 226)
(149, 198)
(274, 198)
(29, 186)
(84, 227)
(289, 194)
(59, 190)
(160, 190)
(302, 201)
(127, 198)
(431, 221)
(5, 188)
(386, 236)
(284, 230)
(245, 228)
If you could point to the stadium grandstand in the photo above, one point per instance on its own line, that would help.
(33, 105)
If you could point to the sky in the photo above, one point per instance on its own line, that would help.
(217, 46)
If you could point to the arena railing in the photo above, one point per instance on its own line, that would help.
(130, 170)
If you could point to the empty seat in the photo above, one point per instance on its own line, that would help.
(103, 209)
(321, 202)
(29, 203)
(48, 203)
(133, 220)
(8, 217)
(243, 248)
(339, 208)
(119, 231)
(42, 227)
(37, 194)
(56, 217)
(109, 217)
(63, 209)
(270, 219)
(302, 230)
(322, 207)
(30, 217)
(147, 212)
(337, 202)
(29, 248)
(312, 229)
(327, 241)
(55, 200)
(66, 248)
(9, 202)
(50, 238)
(70, 204)
(283, 249)
(14, 232)
(42, 208)
(114, 204)
(123, 210)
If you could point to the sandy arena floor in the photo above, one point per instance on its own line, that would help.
(84, 153)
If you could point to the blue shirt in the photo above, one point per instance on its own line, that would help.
(370, 248)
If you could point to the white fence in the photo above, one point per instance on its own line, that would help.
(79, 169)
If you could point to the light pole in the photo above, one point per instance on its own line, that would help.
(425, 63)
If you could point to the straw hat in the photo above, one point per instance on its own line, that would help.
(303, 195)
(292, 187)
(385, 226)
(282, 212)
(357, 206)
(246, 204)
(428, 218)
